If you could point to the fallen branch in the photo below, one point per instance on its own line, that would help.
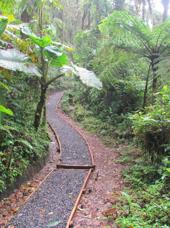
(68, 166)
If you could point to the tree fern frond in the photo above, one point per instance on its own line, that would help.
(7, 6)
(128, 27)
(161, 34)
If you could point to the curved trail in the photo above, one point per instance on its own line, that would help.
(52, 204)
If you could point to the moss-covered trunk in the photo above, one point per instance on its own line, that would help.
(40, 107)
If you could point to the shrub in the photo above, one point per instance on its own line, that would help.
(152, 127)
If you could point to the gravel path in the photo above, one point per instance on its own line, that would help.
(51, 205)
(74, 149)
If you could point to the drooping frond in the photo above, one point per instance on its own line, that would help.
(126, 29)
(7, 6)
(161, 34)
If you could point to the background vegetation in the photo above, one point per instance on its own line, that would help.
(127, 45)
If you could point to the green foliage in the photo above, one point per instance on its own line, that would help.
(3, 24)
(56, 56)
(87, 77)
(19, 149)
(20, 145)
(40, 41)
(6, 110)
(7, 6)
(145, 202)
(86, 43)
(129, 31)
(152, 128)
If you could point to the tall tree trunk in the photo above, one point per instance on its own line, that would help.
(25, 16)
(118, 4)
(165, 4)
(83, 18)
(44, 71)
(89, 20)
(154, 65)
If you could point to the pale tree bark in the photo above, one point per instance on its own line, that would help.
(165, 4)
(118, 4)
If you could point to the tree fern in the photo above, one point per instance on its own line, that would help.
(129, 33)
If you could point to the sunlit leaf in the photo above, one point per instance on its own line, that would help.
(6, 110)
(40, 41)
(56, 57)
(60, 61)
(87, 77)
(10, 17)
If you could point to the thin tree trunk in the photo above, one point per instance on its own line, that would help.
(154, 66)
(146, 88)
(144, 10)
(84, 18)
(40, 107)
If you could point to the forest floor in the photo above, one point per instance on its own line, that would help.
(102, 191)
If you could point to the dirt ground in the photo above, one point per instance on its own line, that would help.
(96, 209)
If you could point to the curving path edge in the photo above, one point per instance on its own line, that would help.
(54, 201)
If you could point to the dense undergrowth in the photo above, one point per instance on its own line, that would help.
(145, 199)
(20, 145)
(129, 57)
(131, 108)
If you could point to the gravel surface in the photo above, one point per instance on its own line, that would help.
(51, 205)
(74, 148)
(53, 202)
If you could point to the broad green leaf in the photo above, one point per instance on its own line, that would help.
(6, 110)
(14, 60)
(3, 24)
(87, 77)
(55, 56)
(40, 41)
(59, 61)
(52, 52)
